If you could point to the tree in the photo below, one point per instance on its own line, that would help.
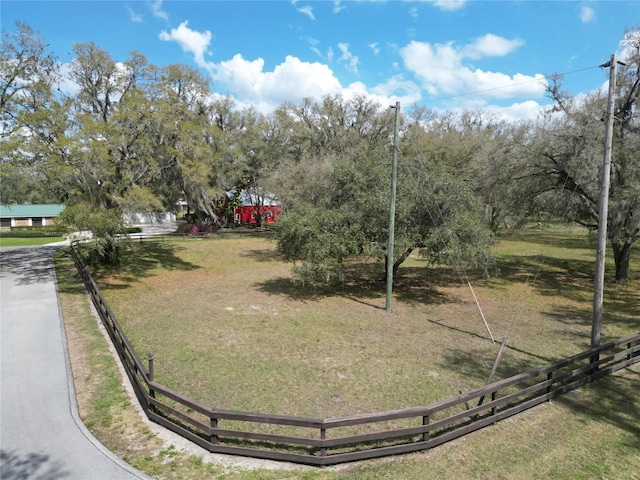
(250, 155)
(27, 73)
(132, 138)
(439, 209)
(336, 192)
(488, 152)
(187, 146)
(566, 158)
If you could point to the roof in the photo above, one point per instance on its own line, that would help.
(31, 210)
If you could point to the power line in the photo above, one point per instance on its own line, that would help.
(503, 87)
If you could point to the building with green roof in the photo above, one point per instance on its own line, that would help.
(29, 215)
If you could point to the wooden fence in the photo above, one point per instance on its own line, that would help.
(330, 441)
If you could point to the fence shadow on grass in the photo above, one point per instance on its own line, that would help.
(68, 279)
(613, 399)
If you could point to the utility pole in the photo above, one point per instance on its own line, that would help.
(392, 208)
(596, 326)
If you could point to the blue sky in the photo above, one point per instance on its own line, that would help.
(443, 54)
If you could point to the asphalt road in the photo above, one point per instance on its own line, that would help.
(41, 434)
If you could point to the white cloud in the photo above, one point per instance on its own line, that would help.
(491, 45)
(190, 41)
(351, 61)
(313, 41)
(306, 10)
(292, 80)
(337, 6)
(528, 110)
(449, 5)
(156, 9)
(441, 70)
(67, 85)
(587, 14)
(435, 66)
(374, 48)
(397, 88)
(133, 16)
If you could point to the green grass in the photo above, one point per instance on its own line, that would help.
(6, 241)
(231, 303)
(227, 311)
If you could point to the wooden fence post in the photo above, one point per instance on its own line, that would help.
(323, 436)
(214, 424)
(152, 392)
(425, 421)
(494, 395)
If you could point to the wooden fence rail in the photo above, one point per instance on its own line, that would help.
(330, 441)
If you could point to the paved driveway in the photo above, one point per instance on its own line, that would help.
(41, 435)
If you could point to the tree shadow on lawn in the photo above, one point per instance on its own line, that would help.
(571, 317)
(548, 275)
(262, 255)
(364, 283)
(573, 280)
(140, 260)
(569, 279)
(576, 322)
(614, 399)
(622, 304)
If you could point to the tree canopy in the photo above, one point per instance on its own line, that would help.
(565, 158)
(128, 136)
(338, 191)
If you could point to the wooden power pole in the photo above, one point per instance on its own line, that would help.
(596, 326)
(392, 208)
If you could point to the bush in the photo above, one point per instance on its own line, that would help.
(30, 232)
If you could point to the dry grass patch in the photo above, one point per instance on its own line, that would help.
(229, 327)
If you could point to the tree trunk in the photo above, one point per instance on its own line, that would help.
(622, 255)
(398, 262)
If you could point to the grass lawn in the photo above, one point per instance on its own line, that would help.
(230, 327)
(27, 241)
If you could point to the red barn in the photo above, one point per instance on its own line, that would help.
(254, 204)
